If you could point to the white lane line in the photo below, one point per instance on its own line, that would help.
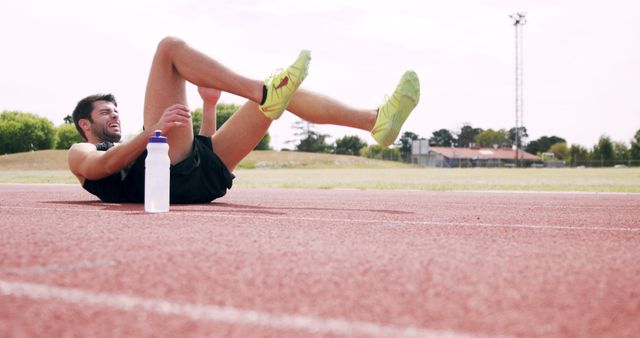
(349, 220)
(450, 224)
(53, 268)
(401, 223)
(548, 192)
(225, 314)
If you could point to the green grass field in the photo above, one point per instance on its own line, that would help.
(591, 180)
(321, 171)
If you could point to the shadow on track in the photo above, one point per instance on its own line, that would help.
(215, 207)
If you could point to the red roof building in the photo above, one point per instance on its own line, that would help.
(450, 157)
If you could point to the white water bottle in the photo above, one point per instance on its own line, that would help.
(156, 174)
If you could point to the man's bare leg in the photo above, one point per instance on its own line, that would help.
(321, 109)
(244, 130)
(248, 125)
(240, 134)
(173, 64)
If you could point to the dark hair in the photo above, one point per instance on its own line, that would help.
(85, 106)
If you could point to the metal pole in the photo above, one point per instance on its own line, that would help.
(519, 20)
(517, 97)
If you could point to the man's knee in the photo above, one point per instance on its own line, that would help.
(169, 44)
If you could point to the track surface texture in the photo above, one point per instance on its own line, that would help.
(327, 263)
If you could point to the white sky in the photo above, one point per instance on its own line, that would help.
(581, 57)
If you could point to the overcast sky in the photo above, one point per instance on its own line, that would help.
(581, 57)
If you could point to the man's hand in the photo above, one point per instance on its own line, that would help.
(209, 95)
(177, 115)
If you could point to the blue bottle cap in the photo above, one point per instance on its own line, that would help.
(157, 138)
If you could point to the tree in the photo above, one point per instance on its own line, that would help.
(579, 154)
(21, 132)
(311, 141)
(603, 151)
(381, 153)
(490, 137)
(264, 143)
(223, 113)
(523, 135)
(196, 120)
(560, 150)
(620, 152)
(406, 141)
(543, 144)
(66, 136)
(635, 147)
(350, 145)
(9, 133)
(442, 138)
(467, 135)
(68, 119)
(314, 143)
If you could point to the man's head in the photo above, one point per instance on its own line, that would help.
(97, 115)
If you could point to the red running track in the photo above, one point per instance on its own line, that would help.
(331, 263)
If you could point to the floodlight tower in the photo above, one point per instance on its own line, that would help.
(519, 20)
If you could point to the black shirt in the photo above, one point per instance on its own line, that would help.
(126, 186)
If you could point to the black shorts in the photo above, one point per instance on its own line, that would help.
(201, 177)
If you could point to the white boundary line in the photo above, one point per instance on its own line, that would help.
(569, 192)
(349, 220)
(401, 223)
(225, 314)
(55, 268)
(547, 192)
(38, 184)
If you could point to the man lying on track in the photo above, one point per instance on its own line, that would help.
(201, 165)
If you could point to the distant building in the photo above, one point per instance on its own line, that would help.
(450, 157)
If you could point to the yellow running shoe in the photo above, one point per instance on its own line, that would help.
(396, 109)
(281, 86)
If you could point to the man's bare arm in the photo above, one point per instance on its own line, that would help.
(210, 98)
(86, 162)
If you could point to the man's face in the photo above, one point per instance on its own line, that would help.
(106, 121)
